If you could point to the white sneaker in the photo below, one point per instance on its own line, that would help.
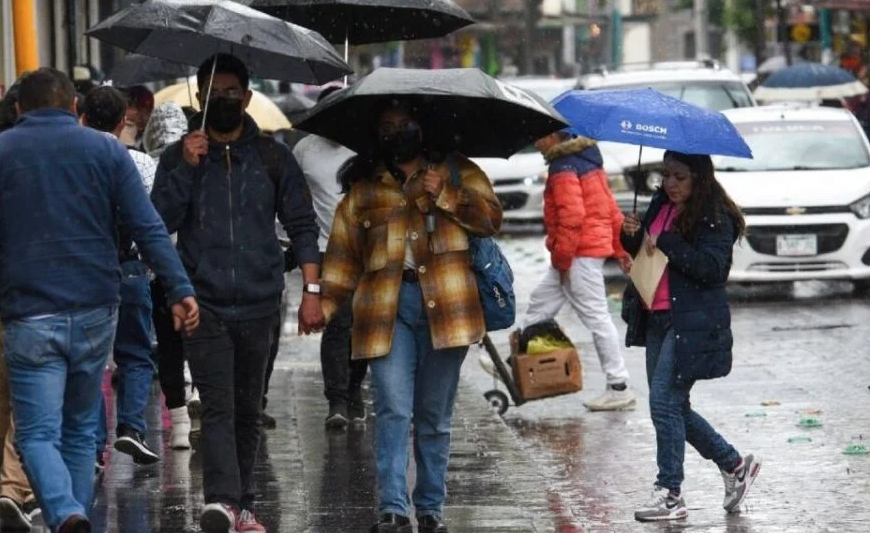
(487, 365)
(194, 405)
(179, 437)
(612, 400)
(737, 483)
(662, 505)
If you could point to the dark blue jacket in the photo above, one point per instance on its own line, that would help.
(63, 190)
(224, 212)
(697, 272)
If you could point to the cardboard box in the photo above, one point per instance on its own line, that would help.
(549, 374)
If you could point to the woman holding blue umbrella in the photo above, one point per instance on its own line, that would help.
(686, 329)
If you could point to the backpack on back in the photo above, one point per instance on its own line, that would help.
(495, 279)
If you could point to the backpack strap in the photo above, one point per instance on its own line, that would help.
(454, 171)
(271, 156)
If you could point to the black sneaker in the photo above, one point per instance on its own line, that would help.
(130, 441)
(13, 517)
(100, 463)
(268, 421)
(32, 510)
(337, 417)
(356, 408)
(392, 523)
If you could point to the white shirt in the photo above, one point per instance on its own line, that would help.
(320, 160)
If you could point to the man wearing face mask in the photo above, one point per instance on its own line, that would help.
(219, 189)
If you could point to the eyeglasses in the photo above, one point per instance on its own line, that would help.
(233, 94)
(391, 128)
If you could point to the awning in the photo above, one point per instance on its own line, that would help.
(851, 5)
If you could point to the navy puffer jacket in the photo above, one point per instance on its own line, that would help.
(697, 271)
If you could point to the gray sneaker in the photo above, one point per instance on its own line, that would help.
(662, 506)
(737, 483)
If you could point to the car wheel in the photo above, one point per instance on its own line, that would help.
(861, 287)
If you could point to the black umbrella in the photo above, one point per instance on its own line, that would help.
(191, 31)
(136, 69)
(460, 109)
(371, 21)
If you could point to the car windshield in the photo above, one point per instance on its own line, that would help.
(718, 95)
(798, 145)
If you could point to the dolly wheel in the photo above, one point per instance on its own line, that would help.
(498, 401)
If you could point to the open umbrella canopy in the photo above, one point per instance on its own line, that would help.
(647, 117)
(191, 31)
(459, 109)
(371, 21)
(136, 69)
(265, 113)
(809, 82)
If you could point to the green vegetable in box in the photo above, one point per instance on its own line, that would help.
(546, 344)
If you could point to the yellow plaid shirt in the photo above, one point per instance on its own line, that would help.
(366, 251)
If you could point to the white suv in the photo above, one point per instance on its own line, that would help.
(805, 195)
(706, 84)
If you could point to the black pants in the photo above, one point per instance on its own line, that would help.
(273, 354)
(228, 362)
(170, 350)
(342, 376)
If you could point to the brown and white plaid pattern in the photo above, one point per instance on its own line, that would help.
(366, 251)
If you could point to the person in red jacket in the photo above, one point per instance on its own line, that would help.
(583, 224)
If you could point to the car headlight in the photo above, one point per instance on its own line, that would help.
(861, 208)
(654, 180)
(537, 179)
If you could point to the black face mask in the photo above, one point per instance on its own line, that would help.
(402, 146)
(224, 114)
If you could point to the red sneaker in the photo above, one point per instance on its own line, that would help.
(246, 522)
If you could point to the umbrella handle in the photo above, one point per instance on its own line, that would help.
(639, 154)
(346, 46)
(208, 93)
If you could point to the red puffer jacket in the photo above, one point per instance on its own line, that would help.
(580, 212)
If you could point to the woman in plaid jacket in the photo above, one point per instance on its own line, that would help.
(415, 303)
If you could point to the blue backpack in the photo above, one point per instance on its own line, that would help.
(495, 279)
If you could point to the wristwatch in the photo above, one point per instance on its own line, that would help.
(312, 288)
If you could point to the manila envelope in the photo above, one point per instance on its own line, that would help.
(646, 273)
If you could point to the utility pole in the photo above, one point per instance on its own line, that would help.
(530, 24)
(702, 30)
(760, 42)
(782, 31)
(71, 37)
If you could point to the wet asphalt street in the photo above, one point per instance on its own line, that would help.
(549, 466)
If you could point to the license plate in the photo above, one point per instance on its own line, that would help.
(796, 245)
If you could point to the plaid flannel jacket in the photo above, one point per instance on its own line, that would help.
(366, 251)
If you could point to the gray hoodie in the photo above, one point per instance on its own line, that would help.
(167, 125)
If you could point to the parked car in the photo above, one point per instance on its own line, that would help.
(706, 84)
(806, 195)
(519, 181)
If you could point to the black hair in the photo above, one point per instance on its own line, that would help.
(226, 64)
(8, 113)
(708, 195)
(45, 88)
(326, 92)
(104, 108)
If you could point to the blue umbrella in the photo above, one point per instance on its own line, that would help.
(646, 117)
(809, 81)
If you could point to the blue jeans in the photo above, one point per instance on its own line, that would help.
(672, 415)
(414, 382)
(55, 370)
(132, 352)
